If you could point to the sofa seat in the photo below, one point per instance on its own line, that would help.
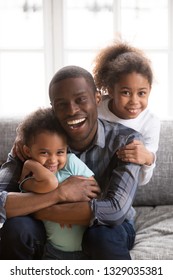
(154, 239)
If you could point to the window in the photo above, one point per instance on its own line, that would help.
(22, 86)
(90, 25)
(37, 37)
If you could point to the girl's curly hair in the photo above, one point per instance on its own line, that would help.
(116, 60)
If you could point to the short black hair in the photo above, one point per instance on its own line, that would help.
(72, 71)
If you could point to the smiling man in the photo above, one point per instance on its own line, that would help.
(110, 233)
(75, 106)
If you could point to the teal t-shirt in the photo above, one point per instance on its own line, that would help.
(68, 239)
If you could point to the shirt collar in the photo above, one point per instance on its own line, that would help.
(100, 136)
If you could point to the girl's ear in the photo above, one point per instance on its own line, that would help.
(26, 150)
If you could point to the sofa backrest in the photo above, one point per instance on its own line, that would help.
(7, 136)
(159, 191)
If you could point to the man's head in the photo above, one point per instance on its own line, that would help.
(72, 71)
(74, 100)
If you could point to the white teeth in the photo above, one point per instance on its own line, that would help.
(75, 121)
(133, 110)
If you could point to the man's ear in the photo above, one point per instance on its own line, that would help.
(110, 92)
(98, 97)
(26, 150)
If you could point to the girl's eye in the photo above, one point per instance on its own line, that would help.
(142, 93)
(125, 92)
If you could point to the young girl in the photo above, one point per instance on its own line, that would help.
(48, 165)
(124, 77)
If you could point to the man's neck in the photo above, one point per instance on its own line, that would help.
(80, 146)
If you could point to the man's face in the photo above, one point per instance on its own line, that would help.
(75, 106)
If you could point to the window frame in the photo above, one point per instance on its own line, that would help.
(54, 46)
(58, 40)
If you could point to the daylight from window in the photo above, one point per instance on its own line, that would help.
(29, 33)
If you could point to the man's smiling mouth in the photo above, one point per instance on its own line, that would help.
(76, 123)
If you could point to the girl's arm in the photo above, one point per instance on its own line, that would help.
(42, 180)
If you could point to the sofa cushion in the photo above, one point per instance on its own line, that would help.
(159, 191)
(154, 228)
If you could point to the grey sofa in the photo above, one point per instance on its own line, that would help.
(153, 203)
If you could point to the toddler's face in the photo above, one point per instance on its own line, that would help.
(50, 150)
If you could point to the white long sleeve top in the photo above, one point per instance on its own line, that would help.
(147, 124)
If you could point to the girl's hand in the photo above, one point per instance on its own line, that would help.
(136, 152)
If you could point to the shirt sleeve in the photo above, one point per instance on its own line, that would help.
(9, 177)
(151, 134)
(146, 173)
(3, 197)
(116, 201)
(151, 141)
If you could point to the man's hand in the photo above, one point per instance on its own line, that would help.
(17, 149)
(136, 152)
(77, 188)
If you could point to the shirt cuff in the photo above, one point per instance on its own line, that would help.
(94, 219)
(3, 197)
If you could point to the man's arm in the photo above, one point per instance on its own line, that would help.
(10, 174)
(19, 204)
(69, 213)
(14, 203)
(110, 210)
(77, 189)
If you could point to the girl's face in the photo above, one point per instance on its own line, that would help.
(129, 96)
(49, 149)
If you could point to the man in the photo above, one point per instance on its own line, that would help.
(110, 234)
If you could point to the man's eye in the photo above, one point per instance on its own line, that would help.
(82, 99)
(60, 105)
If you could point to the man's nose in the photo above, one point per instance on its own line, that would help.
(72, 108)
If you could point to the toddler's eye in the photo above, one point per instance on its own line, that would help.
(60, 152)
(43, 153)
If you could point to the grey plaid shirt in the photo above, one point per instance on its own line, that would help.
(118, 180)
